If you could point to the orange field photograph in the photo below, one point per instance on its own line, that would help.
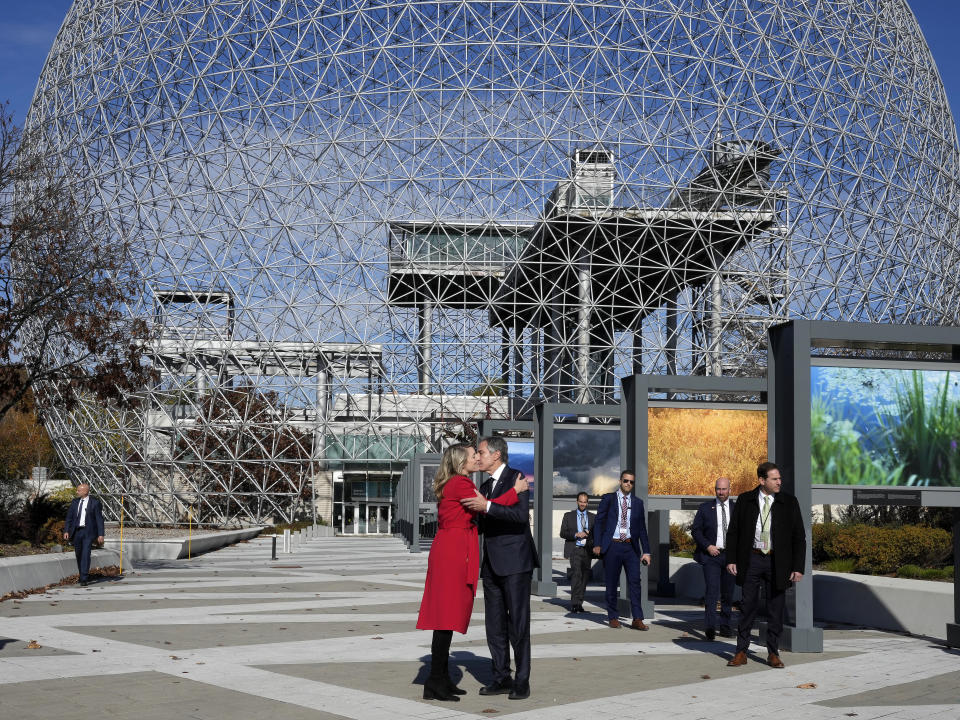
(689, 448)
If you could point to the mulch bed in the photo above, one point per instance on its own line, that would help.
(21, 550)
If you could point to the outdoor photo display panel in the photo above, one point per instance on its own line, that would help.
(895, 427)
(585, 460)
(689, 448)
(521, 458)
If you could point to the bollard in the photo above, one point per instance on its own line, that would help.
(273, 552)
(286, 541)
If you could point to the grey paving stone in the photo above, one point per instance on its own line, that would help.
(203, 639)
(144, 696)
(13, 647)
(937, 690)
(191, 637)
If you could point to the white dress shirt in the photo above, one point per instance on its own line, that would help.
(721, 542)
(758, 531)
(496, 478)
(624, 529)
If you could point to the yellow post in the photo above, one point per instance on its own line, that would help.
(189, 530)
(121, 535)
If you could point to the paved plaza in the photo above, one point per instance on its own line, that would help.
(328, 632)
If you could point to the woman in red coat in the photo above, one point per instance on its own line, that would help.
(453, 566)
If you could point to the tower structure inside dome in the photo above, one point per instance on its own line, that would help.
(589, 269)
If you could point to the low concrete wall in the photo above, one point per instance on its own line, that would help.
(178, 548)
(35, 571)
(920, 607)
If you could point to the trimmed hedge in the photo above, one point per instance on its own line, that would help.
(882, 550)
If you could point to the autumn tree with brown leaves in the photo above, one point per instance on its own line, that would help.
(65, 284)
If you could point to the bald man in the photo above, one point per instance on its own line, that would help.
(83, 525)
(710, 534)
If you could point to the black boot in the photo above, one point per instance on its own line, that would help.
(451, 685)
(436, 689)
(437, 686)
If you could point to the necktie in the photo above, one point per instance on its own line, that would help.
(723, 522)
(764, 526)
(623, 517)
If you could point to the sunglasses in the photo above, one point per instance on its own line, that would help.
(629, 482)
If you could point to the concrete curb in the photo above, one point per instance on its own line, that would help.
(34, 571)
(178, 548)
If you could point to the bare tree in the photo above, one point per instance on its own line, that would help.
(240, 452)
(65, 283)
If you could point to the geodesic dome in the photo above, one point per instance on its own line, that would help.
(361, 224)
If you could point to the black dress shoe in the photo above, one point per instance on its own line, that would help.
(497, 687)
(576, 609)
(726, 631)
(83, 583)
(437, 690)
(710, 633)
(520, 692)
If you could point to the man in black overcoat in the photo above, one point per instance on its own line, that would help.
(766, 548)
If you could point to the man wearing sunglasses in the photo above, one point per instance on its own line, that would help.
(619, 534)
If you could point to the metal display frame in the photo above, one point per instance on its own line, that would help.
(636, 394)
(409, 499)
(791, 356)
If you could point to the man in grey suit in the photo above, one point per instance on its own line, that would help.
(577, 529)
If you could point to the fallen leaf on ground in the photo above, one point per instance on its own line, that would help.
(34, 645)
(807, 686)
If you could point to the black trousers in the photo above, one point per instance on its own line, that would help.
(506, 605)
(83, 539)
(760, 575)
(719, 585)
(580, 561)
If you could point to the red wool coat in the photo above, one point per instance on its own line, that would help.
(453, 567)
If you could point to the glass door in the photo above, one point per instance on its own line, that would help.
(378, 519)
(349, 520)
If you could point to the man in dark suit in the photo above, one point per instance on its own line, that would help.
(509, 557)
(619, 534)
(577, 529)
(766, 547)
(709, 533)
(84, 523)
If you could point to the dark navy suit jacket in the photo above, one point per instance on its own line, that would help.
(608, 516)
(704, 529)
(507, 541)
(94, 516)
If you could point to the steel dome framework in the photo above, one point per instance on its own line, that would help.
(363, 224)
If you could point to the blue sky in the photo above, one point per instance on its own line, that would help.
(28, 27)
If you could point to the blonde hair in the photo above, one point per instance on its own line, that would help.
(452, 463)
